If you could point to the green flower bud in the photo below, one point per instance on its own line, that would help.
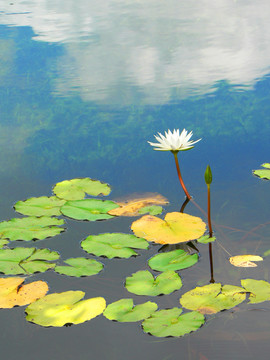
(208, 175)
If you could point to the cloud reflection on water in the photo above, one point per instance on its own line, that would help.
(154, 51)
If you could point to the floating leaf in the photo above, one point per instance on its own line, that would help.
(79, 267)
(172, 260)
(151, 210)
(12, 293)
(26, 260)
(210, 299)
(175, 228)
(64, 308)
(170, 322)
(124, 311)
(259, 289)
(133, 207)
(88, 209)
(30, 228)
(263, 173)
(76, 189)
(40, 206)
(245, 260)
(113, 245)
(205, 239)
(144, 283)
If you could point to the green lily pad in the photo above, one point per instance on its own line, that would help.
(124, 311)
(64, 308)
(170, 322)
(263, 173)
(26, 260)
(259, 290)
(30, 228)
(113, 245)
(80, 267)
(205, 239)
(40, 206)
(76, 189)
(210, 299)
(144, 283)
(3, 243)
(151, 210)
(88, 209)
(172, 260)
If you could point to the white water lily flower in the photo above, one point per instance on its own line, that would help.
(174, 141)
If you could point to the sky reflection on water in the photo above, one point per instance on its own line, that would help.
(156, 52)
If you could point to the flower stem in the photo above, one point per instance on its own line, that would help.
(184, 205)
(179, 175)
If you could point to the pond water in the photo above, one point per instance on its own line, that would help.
(84, 86)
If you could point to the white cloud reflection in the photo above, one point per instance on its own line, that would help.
(154, 50)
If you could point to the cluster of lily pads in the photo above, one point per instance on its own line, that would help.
(59, 309)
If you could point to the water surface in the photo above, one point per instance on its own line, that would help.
(83, 87)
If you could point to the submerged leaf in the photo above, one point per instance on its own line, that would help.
(12, 293)
(172, 260)
(124, 311)
(64, 308)
(113, 245)
(140, 205)
(40, 206)
(266, 253)
(259, 289)
(245, 260)
(79, 267)
(88, 209)
(210, 299)
(26, 260)
(76, 189)
(30, 228)
(144, 283)
(263, 173)
(175, 228)
(170, 322)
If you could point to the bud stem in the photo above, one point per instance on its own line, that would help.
(209, 212)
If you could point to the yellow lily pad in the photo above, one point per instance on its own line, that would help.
(245, 260)
(59, 309)
(175, 228)
(12, 293)
(131, 206)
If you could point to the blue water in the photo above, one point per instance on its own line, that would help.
(83, 88)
